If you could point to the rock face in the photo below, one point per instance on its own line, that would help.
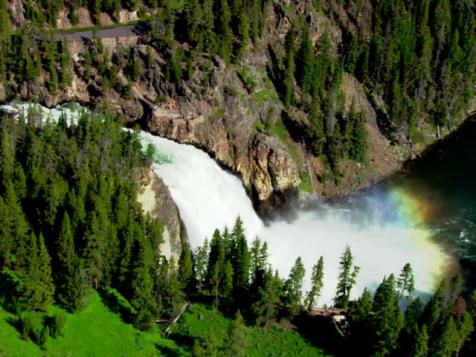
(156, 200)
(233, 112)
(266, 168)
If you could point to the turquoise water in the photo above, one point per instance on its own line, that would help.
(444, 180)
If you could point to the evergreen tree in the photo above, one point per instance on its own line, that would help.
(419, 347)
(227, 284)
(359, 315)
(434, 309)
(235, 343)
(387, 321)
(244, 34)
(142, 285)
(406, 282)
(351, 55)
(306, 64)
(186, 268)
(258, 260)
(316, 284)
(4, 20)
(347, 277)
(68, 277)
(289, 68)
(445, 343)
(94, 251)
(38, 288)
(293, 287)
(201, 258)
(266, 305)
(224, 29)
(240, 256)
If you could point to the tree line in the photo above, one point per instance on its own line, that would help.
(393, 321)
(420, 57)
(71, 224)
(70, 220)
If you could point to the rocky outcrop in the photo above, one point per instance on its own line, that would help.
(234, 113)
(155, 199)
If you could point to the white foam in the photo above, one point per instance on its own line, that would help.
(209, 197)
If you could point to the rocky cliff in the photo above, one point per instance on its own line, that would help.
(156, 201)
(234, 111)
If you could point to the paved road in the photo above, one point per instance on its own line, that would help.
(121, 31)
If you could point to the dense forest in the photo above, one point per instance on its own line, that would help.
(71, 224)
(417, 56)
(70, 219)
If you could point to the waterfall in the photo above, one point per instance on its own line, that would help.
(385, 227)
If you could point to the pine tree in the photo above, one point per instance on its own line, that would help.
(307, 63)
(317, 284)
(441, 24)
(38, 288)
(445, 343)
(240, 256)
(293, 287)
(201, 258)
(94, 251)
(65, 63)
(4, 20)
(347, 278)
(226, 282)
(266, 305)
(142, 285)
(18, 229)
(235, 343)
(406, 282)
(419, 346)
(387, 321)
(351, 54)
(7, 160)
(359, 317)
(68, 276)
(224, 29)
(244, 34)
(289, 69)
(434, 309)
(258, 259)
(186, 268)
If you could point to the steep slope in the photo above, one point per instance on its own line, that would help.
(315, 96)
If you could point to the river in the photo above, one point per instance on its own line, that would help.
(424, 216)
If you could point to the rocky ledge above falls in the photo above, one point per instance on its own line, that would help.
(265, 167)
(155, 198)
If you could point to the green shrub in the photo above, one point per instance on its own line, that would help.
(30, 325)
(118, 303)
(55, 324)
(248, 80)
(260, 126)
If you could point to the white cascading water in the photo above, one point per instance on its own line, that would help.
(385, 229)
(379, 229)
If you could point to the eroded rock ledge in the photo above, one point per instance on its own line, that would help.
(156, 200)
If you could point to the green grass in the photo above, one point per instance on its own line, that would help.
(279, 130)
(94, 331)
(11, 343)
(265, 95)
(306, 184)
(202, 321)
